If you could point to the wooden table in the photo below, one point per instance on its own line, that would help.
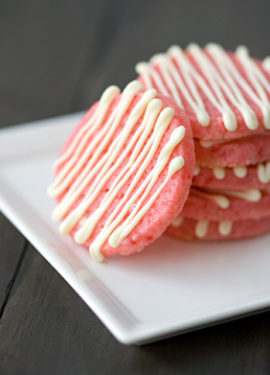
(56, 57)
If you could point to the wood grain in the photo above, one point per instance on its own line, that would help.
(12, 246)
(57, 56)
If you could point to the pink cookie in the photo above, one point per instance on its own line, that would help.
(237, 178)
(188, 229)
(124, 173)
(245, 151)
(226, 95)
(231, 205)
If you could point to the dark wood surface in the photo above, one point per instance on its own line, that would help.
(57, 57)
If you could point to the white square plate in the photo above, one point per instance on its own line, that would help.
(169, 288)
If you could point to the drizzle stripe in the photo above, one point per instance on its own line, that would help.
(167, 69)
(263, 172)
(225, 227)
(251, 195)
(240, 172)
(145, 68)
(177, 222)
(201, 228)
(219, 172)
(197, 170)
(221, 200)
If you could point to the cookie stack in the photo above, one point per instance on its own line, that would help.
(227, 99)
(127, 172)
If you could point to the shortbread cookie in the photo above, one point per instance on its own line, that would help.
(124, 173)
(226, 95)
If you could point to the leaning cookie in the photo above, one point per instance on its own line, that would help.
(226, 95)
(124, 173)
(191, 229)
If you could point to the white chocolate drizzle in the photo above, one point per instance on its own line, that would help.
(263, 172)
(201, 228)
(209, 143)
(240, 171)
(95, 165)
(250, 195)
(219, 172)
(221, 200)
(177, 222)
(218, 77)
(197, 170)
(225, 227)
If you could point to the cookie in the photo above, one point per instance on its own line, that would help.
(230, 205)
(233, 153)
(236, 178)
(189, 229)
(226, 95)
(124, 173)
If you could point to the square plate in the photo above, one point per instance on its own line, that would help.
(170, 288)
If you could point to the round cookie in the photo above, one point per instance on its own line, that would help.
(233, 153)
(237, 178)
(226, 95)
(124, 173)
(189, 229)
(230, 205)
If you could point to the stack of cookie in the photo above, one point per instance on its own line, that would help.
(126, 172)
(227, 99)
